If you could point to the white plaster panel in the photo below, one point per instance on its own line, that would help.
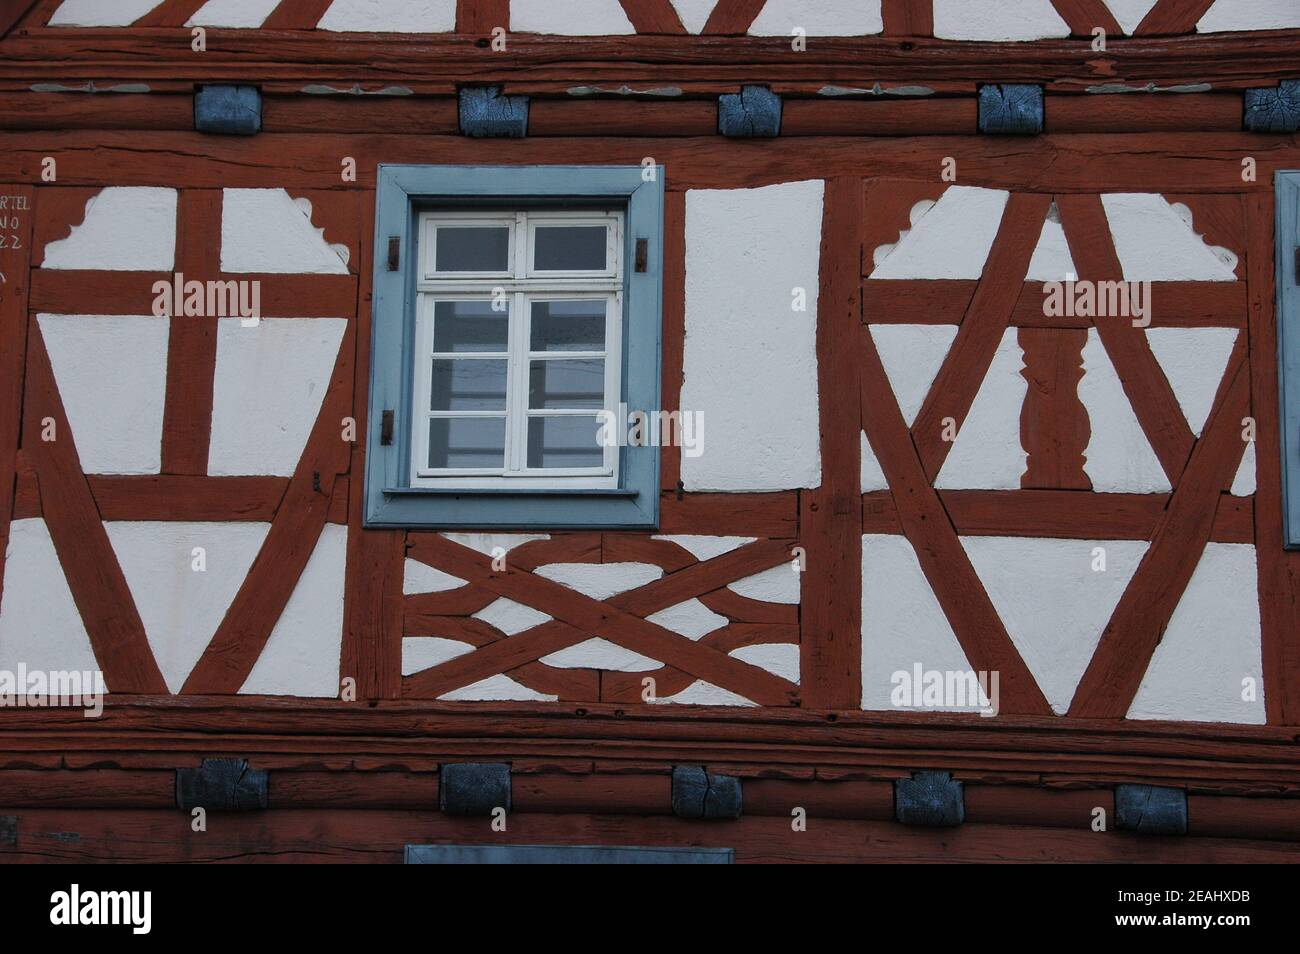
(511, 617)
(266, 230)
(1243, 484)
(1156, 243)
(1227, 15)
(180, 606)
(496, 688)
(951, 240)
(691, 619)
(704, 547)
(125, 228)
(694, 13)
(1129, 13)
(40, 626)
(424, 652)
(419, 577)
(902, 621)
(818, 18)
(1211, 645)
(1051, 261)
(780, 584)
(232, 13)
(1118, 458)
(597, 653)
(750, 364)
(488, 543)
(570, 18)
(1193, 360)
(270, 381)
(912, 356)
(390, 16)
(600, 581)
(914, 215)
(987, 454)
(1052, 602)
(94, 13)
(302, 656)
(870, 475)
(112, 376)
(780, 659)
(997, 20)
(701, 693)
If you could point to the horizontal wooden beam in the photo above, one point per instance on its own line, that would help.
(163, 731)
(624, 116)
(1066, 514)
(774, 515)
(335, 834)
(1144, 112)
(879, 117)
(637, 793)
(944, 301)
(68, 292)
(162, 497)
(1228, 61)
(1173, 163)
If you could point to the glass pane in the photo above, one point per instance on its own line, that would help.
(467, 442)
(568, 325)
(468, 384)
(470, 326)
(564, 442)
(569, 248)
(472, 248)
(567, 383)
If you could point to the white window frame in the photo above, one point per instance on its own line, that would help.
(522, 285)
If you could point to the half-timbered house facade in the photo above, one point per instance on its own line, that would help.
(861, 430)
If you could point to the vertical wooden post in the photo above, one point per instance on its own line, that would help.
(673, 334)
(481, 17)
(192, 339)
(830, 521)
(372, 619)
(15, 262)
(908, 17)
(1279, 569)
(1054, 425)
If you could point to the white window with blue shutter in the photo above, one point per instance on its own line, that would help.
(517, 315)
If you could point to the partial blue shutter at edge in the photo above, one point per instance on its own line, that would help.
(1288, 338)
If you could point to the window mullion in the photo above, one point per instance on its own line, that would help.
(517, 387)
(419, 423)
(614, 370)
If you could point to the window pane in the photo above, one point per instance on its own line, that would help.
(568, 325)
(564, 442)
(468, 384)
(467, 442)
(569, 248)
(567, 383)
(472, 248)
(469, 326)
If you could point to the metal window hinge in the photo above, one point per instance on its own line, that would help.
(394, 252)
(386, 428)
(642, 254)
(1297, 266)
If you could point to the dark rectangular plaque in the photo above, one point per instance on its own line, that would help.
(564, 855)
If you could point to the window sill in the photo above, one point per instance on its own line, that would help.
(509, 492)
